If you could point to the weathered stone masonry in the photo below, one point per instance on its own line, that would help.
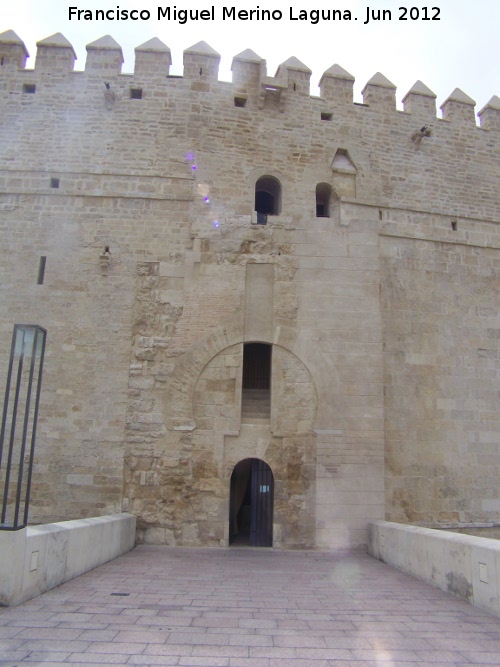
(375, 281)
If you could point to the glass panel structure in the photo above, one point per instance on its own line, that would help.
(19, 419)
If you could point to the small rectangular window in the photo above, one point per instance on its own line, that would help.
(136, 93)
(41, 270)
(54, 182)
(29, 88)
(326, 116)
(240, 101)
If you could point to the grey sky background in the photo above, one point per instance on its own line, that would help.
(461, 50)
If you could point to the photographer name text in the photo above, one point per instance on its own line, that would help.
(212, 13)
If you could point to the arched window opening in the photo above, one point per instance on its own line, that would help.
(323, 196)
(267, 198)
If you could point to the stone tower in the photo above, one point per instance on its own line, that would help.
(271, 317)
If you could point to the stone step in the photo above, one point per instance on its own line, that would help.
(256, 391)
(255, 420)
(259, 415)
(255, 404)
(264, 405)
(255, 414)
(257, 399)
(263, 408)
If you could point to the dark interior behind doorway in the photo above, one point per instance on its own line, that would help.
(251, 504)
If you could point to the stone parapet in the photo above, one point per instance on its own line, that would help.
(152, 57)
(459, 107)
(13, 52)
(420, 100)
(38, 558)
(201, 64)
(380, 93)
(55, 55)
(467, 567)
(489, 116)
(336, 85)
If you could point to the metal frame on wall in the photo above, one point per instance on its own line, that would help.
(19, 421)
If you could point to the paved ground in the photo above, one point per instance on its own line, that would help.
(247, 608)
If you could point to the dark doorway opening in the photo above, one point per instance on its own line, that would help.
(256, 384)
(251, 504)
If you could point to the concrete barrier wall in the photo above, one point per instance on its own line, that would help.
(465, 566)
(37, 558)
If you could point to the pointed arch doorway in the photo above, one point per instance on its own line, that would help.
(251, 504)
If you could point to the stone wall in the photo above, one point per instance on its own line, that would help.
(440, 305)
(183, 443)
(383, 316)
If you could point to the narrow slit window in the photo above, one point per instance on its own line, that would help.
(41, 270)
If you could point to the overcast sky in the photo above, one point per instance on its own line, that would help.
(462, 49)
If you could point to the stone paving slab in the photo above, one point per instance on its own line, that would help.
(247, 608)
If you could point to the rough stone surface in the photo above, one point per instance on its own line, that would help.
(381, 305)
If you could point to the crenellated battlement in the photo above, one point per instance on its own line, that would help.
(56, 57)
(242, 272)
